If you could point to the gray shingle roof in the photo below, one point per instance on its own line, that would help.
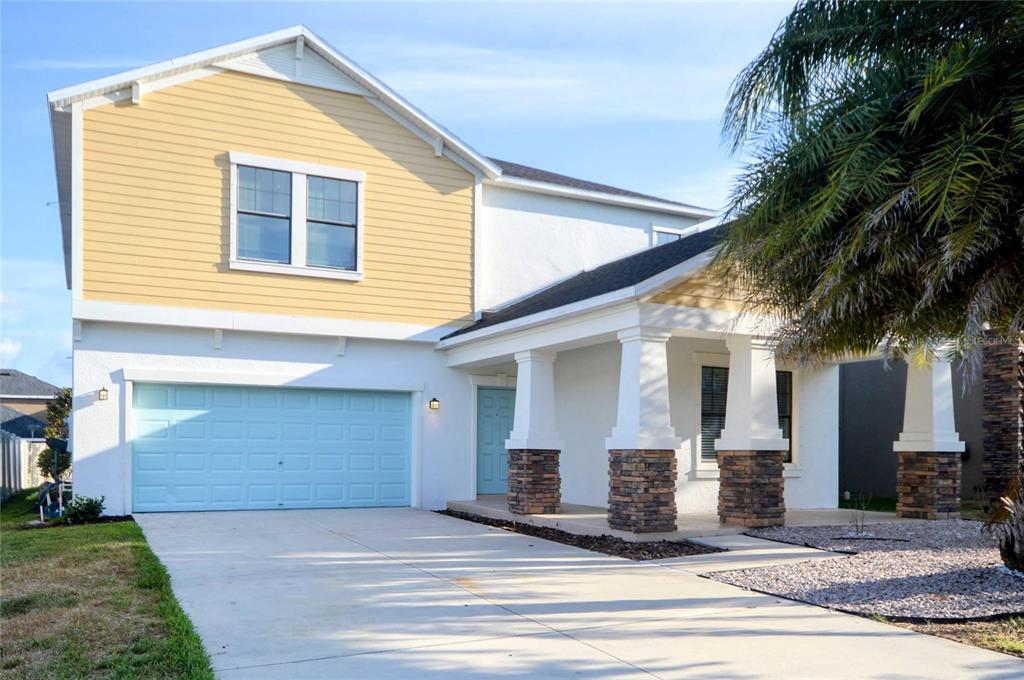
(615, 275)
(20, 424)
(15, 383)
(537, 175)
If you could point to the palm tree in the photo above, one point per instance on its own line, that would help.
(884, 201)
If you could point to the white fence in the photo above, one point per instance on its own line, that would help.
(19, 471)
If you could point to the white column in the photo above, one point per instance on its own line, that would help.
(534, 424)
(643, 420)
(928, 410)
(751, 406)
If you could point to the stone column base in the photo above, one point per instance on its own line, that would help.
(1002, 416)
(642, 490)
(928, 484)
(750, 488)
(534, 484)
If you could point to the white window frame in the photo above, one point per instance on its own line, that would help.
(680, 232)
(299, 170)
(703, 469)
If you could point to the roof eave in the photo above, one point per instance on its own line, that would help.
(64, 96)
(58, 99)
(602, 197)
(642, 289)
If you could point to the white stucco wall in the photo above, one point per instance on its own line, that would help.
(529, 240)
(586, 383)
(100, 439)
(586, 386)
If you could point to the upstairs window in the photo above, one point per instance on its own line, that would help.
(264, 214)
(714, 384)
(290, 217)
(662, 235)
(331, 223)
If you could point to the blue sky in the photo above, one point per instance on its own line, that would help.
(627, 94)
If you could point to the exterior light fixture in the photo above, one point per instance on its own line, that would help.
(434, 404)
(103, 394)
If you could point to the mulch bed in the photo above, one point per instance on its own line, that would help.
(609, 545)
(105, 519)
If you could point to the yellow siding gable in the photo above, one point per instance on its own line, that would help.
(703, 291)
(156, 203)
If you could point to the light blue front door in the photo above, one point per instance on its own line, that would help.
(199, 447)
(494, 412)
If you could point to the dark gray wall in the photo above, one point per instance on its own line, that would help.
(870, 419)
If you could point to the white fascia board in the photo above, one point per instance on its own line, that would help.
(298, 379)
(613, 297)
(28, 396)
(65, 226)
(600, 197)
(671, 276)
(710, 323)
(252, 322)
(540, 318)
(118, 81)
(77, 201)
(875, 355)
(206, 58)
(378, 88)
(587, 328)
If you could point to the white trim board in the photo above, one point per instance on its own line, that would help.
(226, 53)
(27, 396)
(283, 380)
(299, 173)
(599, 196)
(252, 322)
(643, 288)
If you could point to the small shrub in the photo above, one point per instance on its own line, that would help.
(1007, 523)
(84, 509)
(44, 461)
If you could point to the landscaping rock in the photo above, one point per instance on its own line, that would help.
(939, 570)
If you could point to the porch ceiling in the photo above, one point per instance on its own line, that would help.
(595, 325)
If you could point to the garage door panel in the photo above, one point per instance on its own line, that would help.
(227, 448)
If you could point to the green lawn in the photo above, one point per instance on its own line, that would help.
(969, 509)
(89, 602)
(869, 503)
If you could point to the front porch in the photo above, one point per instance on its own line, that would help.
(658, 409)
(588, 520)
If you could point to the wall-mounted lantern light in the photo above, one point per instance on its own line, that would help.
(103, 394)
(434, 404)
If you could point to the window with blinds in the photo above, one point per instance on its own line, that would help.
(714, 381)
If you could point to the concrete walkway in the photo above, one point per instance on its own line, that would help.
(589, 520)
(401, 593)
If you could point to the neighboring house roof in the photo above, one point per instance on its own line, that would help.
(134, 83)
(615, 275)
(510, 169)
(14, 383)
(20, 424)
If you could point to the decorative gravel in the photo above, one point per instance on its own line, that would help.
(941, 571)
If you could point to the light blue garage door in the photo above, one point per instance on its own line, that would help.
(200, 447)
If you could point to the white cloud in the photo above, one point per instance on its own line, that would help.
(708, 187)
(9, 350)
(75, 64)
(36, 318)
(458, 82)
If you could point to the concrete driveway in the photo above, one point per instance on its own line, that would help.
(401, 593)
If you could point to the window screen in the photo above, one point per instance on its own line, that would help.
(331, 223)
(264, 214)
(714, 383)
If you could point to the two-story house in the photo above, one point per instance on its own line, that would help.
(293, 289)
